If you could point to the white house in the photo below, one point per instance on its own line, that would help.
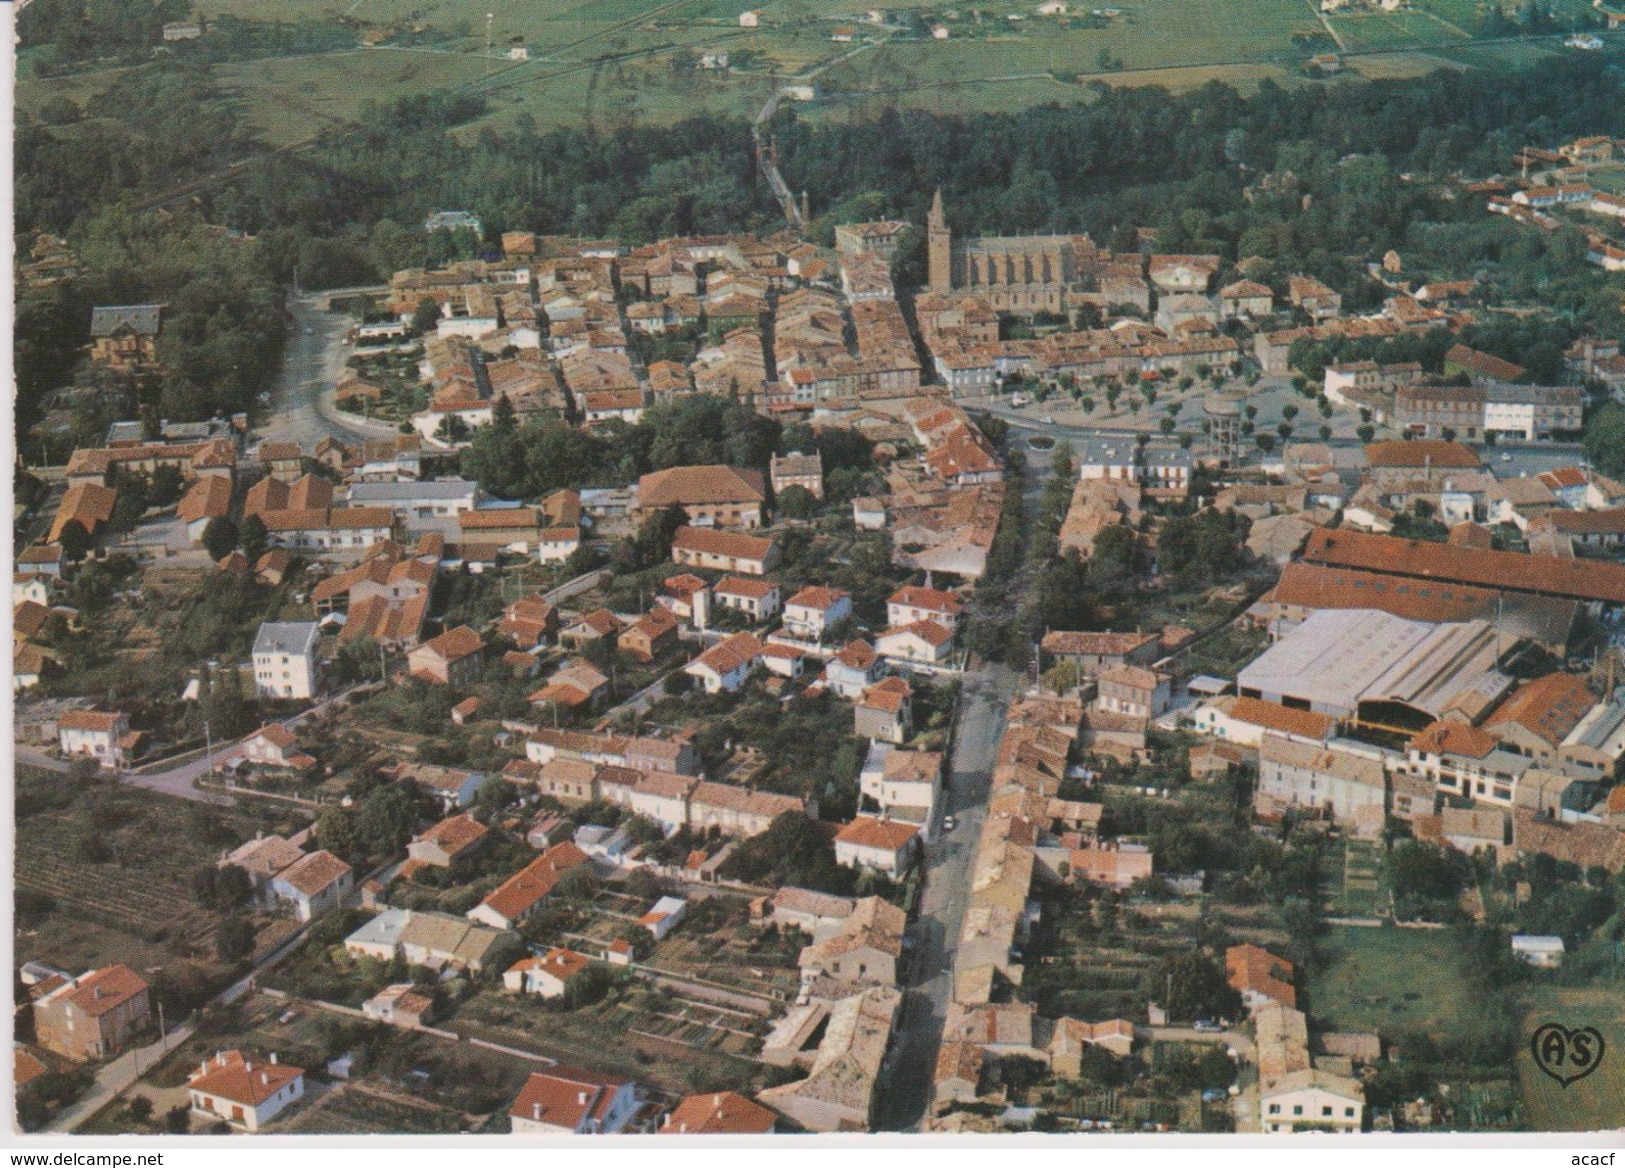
(571, 1101)
(884, 845)
(1311, 1099)
(554, 545)
(664, 916)
(812, 612)
(93, 734)
(547, 976)
(285, 664)
(725, 666)
(905, 780)
(313, 884)
(914, 603)
(924, 642)
(246, 1093)
(756, 598)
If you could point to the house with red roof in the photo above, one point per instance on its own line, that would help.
(1259, 976)
(93, 734)
(244, 1091)
(885, 711)
(884, 845)
(274, 745)
(454, 658)
(547, 976)
(448, 841)
(719, 1113)
(812, 612)
(313, 884)
(523, 892)
(725, 666)
(924, 642)
(917, 603)
(853, 669)
(565, 1100)
(755, 598)
(92, 1016)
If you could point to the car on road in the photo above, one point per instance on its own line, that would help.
(1506, 458)
(1206, 1026)
(1048, 419)
(949, 823)
(1019, 401)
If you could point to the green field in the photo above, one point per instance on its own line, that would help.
(1388, 980)
(613, 63)
(1596, 1101)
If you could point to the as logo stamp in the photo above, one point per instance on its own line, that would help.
(1564, 1054)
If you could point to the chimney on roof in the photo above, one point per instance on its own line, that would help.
(265, 1079)
(581, 1098)
(273, 1058)
(536, 1111)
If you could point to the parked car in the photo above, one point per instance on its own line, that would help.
(949, 823)
(1207, 1026)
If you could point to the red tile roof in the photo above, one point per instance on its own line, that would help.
(915, 596)
(1589, 580)
(520, 892)
(1443, 455)
(1274, 716)
(1454, 738)
(93, 720)
(104, 989)
(721, 543)
(700, 485)
(236, 1079)
(455, 644)
(1548, 707)
(886, 834)
(1250, 968)
(565, 1097)
(315, 873)
(455, 835)
(719, 1113)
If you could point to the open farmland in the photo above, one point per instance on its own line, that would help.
(108, 871)
(1596, 1101)
(610, 65)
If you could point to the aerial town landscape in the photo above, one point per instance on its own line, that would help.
(1068, 613)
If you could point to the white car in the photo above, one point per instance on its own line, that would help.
(949, 823)
(1048, 419)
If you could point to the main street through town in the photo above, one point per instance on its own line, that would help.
(301, 407)
(984, 699)
(986, 692)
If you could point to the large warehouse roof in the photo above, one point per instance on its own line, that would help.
(1338, 658)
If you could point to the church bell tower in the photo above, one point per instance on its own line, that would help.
(939, 242)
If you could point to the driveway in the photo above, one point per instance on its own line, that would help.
(984, 701)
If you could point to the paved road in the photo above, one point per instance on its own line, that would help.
(117, 1076)
(984, 700)
(28, 756)
(301, 402)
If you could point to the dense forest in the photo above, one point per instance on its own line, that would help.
(1320, 179)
